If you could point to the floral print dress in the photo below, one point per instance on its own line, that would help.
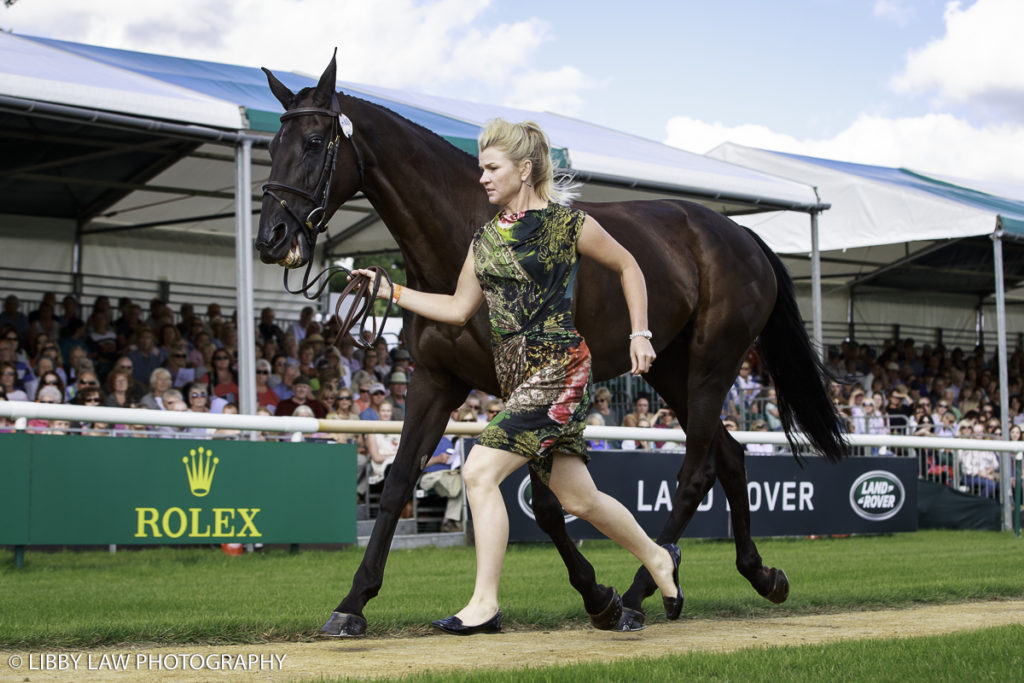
(525, 265)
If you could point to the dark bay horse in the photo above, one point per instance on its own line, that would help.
(714, 289)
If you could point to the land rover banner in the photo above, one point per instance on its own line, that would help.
(859, 495)
(76, 490)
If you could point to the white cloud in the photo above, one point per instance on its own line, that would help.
(979, 58)
(896, 11)
(445, 47)
(937, 143)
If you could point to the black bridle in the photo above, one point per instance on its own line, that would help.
(364, 289)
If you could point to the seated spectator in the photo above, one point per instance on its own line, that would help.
(176, 364)
(328, 396)
(50, 395)
(381, 448)
(398, 387)
(493, 408)
(641, 411)
(119, 389)
(102, 343)
(159, 382)
(361, 383)
(333, 358)
(146, 357)
(12, 315)
(277, 366)
(771, 410)
(265, 396)
(402, 361)
(86, 380)
(286, 388)
(307, 360)
(13, 389)
(378, 394)
(303, 396)
(347, 349)
(639, 445)
(223, 432)
(760, 448)
(602, 405)
(222, 377)
(50, 378)
(979, 469)
(267, 327)
(197, 397)
(595, 420)
(442, 476)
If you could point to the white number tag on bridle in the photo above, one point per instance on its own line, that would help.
(346, 125)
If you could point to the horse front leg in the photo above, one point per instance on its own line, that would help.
(431, 399)
(770, 582)
(603, 604)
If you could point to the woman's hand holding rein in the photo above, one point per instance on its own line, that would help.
(384, 292)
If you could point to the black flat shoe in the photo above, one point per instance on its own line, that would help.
(454, 626)
(673, 606)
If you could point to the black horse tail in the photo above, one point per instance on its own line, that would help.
(800, 377)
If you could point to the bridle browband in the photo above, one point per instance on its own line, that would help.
(362, 288)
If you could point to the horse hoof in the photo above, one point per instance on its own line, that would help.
(631, 620)
(342, 625)
(608, 618)
(780, 587)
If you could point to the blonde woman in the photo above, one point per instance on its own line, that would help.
(521, 263)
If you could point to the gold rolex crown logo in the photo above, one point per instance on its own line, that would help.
(200, 470)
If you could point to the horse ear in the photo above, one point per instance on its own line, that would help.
(326, 88)
(280, 90)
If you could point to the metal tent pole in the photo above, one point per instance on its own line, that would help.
(1006, 462)
(816, 285)
(243, 261)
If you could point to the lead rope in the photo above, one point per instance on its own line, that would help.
(363, 288)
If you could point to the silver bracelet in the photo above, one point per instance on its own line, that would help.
(646, 334)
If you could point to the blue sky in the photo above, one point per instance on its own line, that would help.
(929, 84)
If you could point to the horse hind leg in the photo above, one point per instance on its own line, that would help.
(770, 582)
(603, 604)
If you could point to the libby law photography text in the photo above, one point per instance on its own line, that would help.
(111, 661)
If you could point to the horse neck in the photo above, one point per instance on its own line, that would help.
(426, 192)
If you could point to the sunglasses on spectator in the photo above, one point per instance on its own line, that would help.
(92, 399)
(50, 382)
(492, 411)
(88, 383)
(345, 397)
(197, 394)
(47, 401)
(8, 373)
(178, 355)
(379, 393)
(222, 357)
(263, 372)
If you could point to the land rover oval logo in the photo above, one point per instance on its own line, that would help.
(525, 497)
(877, 495)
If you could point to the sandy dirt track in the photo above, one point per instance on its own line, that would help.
(372, 657)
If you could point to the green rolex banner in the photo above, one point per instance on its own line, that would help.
(75, 490)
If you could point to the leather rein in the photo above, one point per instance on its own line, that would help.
(363, 288)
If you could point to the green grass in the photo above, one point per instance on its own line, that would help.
(993, 654)
(199, 595)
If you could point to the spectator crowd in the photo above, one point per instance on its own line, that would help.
(160, 359)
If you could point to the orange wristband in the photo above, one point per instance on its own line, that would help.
(396, 293)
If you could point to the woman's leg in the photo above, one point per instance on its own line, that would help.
(483, 471)
(572, 483)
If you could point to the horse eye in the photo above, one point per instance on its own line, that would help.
(315, 141)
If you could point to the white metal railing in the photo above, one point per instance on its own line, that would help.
(23, 411)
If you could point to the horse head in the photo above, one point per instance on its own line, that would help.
(315, 167)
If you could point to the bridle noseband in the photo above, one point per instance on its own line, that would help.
(364, 290)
